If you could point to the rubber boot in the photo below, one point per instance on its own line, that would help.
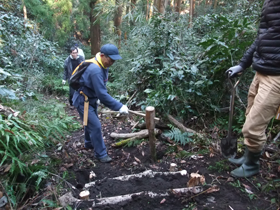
(250, 167)
(241, 160)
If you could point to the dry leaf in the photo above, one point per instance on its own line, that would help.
(62, 169)
(154, 166)
(195, 180)
(214, 188)
(179, 148)
(248, 191)
(16, 114)
(230, 179)
(35, 161)
(266, 155)
(246, 186)
(211, 155)
(139, 161)
(92, 175)
(162, 201)
(68, 165)
(8, 168)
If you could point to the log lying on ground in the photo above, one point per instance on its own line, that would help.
(130, 111)
(141, 134)
(131, 136)
(129, 197)
(148, 173)
(159, 125)
(182, 127)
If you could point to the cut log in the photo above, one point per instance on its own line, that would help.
(124, 142)
(140, 134)
(130, 111)
(159, 125)
(84, 195)
(129, 197)
(182, 127)
(148, 173)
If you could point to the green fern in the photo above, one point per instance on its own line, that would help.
(178, 136)
(40, 176)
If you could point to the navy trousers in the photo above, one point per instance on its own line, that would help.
(71, 93)
(93, 133)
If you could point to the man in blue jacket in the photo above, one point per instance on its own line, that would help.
(93, 84)
(264, 92)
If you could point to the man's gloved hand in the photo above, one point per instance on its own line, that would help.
(233, 71)
(123, 110)
(63, 82)
(98, 102)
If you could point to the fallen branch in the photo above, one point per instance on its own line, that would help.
(130, 111)
(182, 127)
(140, 134)
(124, 142)
(159, 125)
(148, 173)
(129, 197)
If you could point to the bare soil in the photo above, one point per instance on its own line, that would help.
(256, 192)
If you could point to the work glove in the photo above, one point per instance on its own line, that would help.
(63, 82)
(123, 110)
(98, 102)
(234, 71)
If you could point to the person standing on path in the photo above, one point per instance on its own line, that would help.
(93, 85)
(70, 63)
(264, 92)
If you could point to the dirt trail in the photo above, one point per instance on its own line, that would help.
(231, 193)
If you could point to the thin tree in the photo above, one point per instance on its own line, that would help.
(95, 38)
(178, 6)
(118, 21)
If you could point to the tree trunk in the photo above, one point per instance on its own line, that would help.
(161, 7)
(133, 3)
(148, 10)
(95, 38)
(178, 6)
(24, 12)
(215, 4)
(118, 21)
(192, 5)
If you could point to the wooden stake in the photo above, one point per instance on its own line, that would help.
(150, 123)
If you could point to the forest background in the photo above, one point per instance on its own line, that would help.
(175, 53)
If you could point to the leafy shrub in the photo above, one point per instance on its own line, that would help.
(25, 56)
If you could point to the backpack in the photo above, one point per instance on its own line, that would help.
(79, 70)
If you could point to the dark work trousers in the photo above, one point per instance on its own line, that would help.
(93, 133)
(71, 93)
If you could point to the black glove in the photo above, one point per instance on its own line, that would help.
(234, 71)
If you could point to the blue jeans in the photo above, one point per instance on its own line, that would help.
(93, 133)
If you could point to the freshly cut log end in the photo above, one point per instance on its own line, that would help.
(84, 195)
(150, 108)
(172, 167)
